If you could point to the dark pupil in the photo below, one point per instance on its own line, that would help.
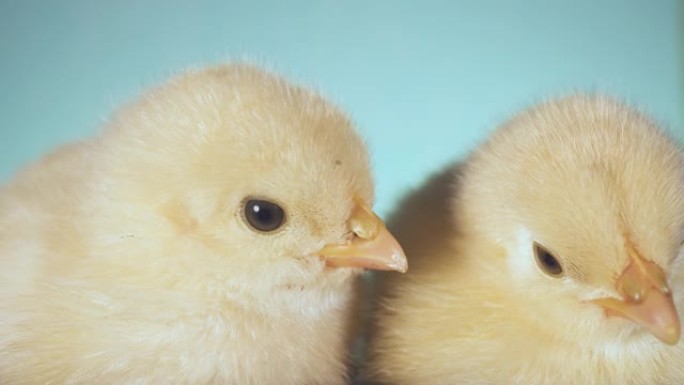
(550, 262)
(264, 215)
(547, 261)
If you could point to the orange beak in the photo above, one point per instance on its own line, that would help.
(373, 247)
(647, 299)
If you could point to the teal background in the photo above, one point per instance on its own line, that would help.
(424, 80)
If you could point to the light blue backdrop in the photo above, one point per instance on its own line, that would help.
(424, 80)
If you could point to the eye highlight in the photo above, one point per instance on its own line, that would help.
(263, 215)
(547, 262)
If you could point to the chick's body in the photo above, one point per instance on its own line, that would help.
(601, 188)
(128, 258)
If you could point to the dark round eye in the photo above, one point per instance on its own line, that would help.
(263, 215)
(547, 262)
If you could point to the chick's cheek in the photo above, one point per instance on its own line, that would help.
(312, 263)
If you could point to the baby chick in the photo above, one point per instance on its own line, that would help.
(210, 234)
(562, 262)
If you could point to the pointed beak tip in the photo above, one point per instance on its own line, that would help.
(399, 263)
(670, 337)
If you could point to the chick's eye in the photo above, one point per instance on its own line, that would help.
(547, 262)
(263, 215)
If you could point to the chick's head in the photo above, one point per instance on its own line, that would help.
(584, 199)
(265, 183)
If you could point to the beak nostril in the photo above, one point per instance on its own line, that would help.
(364, 230)
(349, 237)
(364, 223)
(632, 291)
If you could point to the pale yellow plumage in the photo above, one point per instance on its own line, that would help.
(127, 258)
(601, 188)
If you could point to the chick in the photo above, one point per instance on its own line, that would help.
(562, 262)
(211, 234)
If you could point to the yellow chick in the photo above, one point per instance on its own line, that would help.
(210, 234)
(560, 263)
